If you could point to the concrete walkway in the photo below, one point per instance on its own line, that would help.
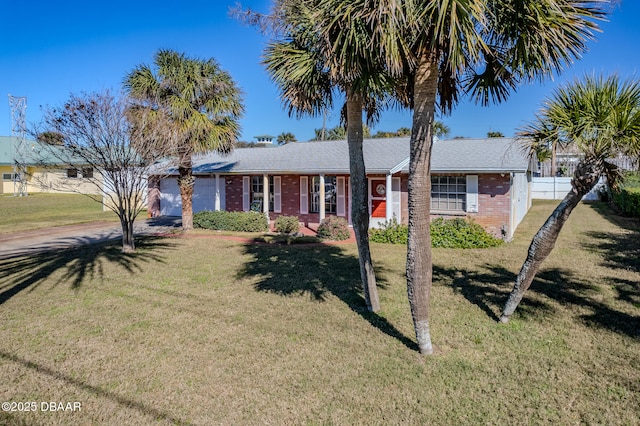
(61, 237)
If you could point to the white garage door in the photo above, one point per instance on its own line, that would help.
(170, 201)
(204, 196)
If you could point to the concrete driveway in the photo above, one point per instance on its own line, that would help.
(61, 237)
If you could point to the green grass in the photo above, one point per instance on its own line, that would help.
(45, 210)
(205, 330)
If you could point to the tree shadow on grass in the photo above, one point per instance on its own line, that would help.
(562, 286)
(317, 270)
(489, 288)
(95, 390)
(85, 260)
(619, 250)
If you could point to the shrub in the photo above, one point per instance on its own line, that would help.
(627, 201)
(445, 233)
(231, 221)
(390, 232)
(460, 233)
(287, 224)
(334, 228)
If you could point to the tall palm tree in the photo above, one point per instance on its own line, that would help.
(303, 63)
(444, 48)
(197, 101)
(601, 118)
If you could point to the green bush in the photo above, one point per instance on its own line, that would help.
(390, 232)
(627, 201)
(460, 233)
(445, 233)
(287, 224)
(231, 221)
(334, 228)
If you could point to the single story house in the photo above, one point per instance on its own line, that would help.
(487, 180)
(42, 174)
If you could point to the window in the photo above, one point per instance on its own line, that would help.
(448, 193)
(72, 173)
(9, 176)
(87, 172)
(330, 194)
(257, 195)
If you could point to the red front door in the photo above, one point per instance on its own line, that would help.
(378, 198)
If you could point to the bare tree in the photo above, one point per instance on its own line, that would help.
(92, 138)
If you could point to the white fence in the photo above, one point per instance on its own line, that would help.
(556, 188)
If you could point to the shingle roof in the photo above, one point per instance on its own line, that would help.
(381, 156)
(478, 155)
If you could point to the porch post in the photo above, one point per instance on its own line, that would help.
(322, 195)
(388, 197)
(217, 195)
(265, 194)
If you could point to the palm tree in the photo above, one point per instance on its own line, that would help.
(440, 129)
(444, 48)
(307, 64)
(601, 118)
(200, 104)
(285, 138)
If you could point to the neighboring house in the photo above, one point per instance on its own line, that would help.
(42, 174)
(487, 180)
(567, 159)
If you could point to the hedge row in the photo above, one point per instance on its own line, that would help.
(445, 233)
(231, 221)
(627, 201)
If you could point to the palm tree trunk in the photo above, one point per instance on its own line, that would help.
(186, 181)
(585, 178)
(359, 201)
(419, 259)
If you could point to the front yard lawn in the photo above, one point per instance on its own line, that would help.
(206, 330)
(45, 210)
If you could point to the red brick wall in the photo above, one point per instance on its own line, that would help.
(153, 199)
(494, 200)
(233, 193)
(494, 203)
(290, 193)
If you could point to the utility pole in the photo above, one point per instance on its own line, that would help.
(18, 106)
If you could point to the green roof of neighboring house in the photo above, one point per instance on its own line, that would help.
(33, 152)
(7, 149)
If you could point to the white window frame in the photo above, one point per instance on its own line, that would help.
(450, 188)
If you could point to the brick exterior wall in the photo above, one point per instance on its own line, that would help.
(290, 198)
(494, 203)
(494, 200)
(153, 207)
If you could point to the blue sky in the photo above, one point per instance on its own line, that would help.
(51, 49)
